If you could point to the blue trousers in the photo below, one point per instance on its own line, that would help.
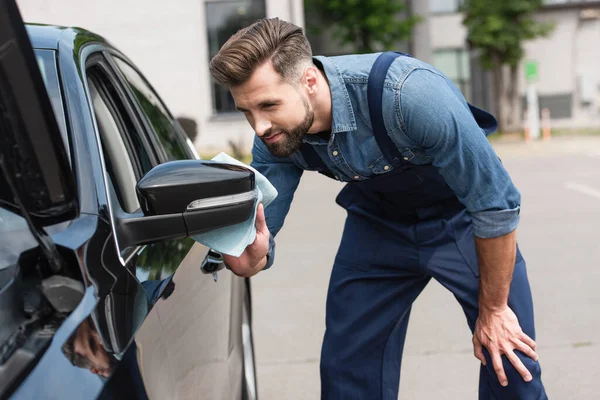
(381, 267)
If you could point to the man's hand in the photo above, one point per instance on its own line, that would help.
(497, 328)
(500, 333)
(254, 258)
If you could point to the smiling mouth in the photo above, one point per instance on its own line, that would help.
(273, 138)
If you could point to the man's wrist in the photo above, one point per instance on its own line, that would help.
(491, 307)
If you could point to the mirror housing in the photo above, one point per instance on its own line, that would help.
(188, 197)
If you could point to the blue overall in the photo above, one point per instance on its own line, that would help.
(402, 229)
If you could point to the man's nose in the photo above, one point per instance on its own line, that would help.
(262, 126)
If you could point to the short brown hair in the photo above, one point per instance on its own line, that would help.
(77, 360)
(281, 42)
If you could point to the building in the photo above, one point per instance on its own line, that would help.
(172, 42)
(568, 60)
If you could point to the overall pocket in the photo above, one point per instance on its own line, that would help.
(462, 228)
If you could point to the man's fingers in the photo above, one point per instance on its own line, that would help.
(261, 222)
(478, 350)
(497, 363)
(519, 366)
(527, 350)
(528, 341)
(230, 261)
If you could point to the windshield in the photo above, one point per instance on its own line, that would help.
(46, 60)
(15, 236)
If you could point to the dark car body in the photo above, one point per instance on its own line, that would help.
(102, 292)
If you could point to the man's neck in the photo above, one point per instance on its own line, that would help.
(322, 106)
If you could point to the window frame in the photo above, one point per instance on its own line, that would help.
(97, 57)
(225, 114)
(101, 74)
(100, 61)
(433, 12)
(464, 79)
(148, 127)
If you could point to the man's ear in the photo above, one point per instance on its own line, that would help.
(310, 79)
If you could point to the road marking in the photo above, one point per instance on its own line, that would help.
(593, 154)
(590, 191)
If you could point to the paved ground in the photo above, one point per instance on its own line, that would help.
(560, 185)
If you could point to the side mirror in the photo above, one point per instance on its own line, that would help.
(188, 197)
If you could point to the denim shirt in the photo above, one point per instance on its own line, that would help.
(427, 118)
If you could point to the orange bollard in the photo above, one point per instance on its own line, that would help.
(546, 124)
(526, 127)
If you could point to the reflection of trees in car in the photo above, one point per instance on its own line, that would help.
(162, 126)
(162, 259)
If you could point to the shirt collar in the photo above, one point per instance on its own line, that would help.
(343, 119)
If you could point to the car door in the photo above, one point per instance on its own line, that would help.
(186, 336)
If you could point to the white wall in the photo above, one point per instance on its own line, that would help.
(568, 55)
(421, 35)
(447, 31)
(168, 42)
(554, 55)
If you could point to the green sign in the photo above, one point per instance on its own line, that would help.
(531, 70)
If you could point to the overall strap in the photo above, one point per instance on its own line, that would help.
(313, 160)
(376, 82)
(486, 121)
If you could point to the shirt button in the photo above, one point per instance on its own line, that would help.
(405, 158)
(387, 167)
(356, 177)
(335, 153)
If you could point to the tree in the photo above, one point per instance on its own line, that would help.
(369, 25)
(499, 29)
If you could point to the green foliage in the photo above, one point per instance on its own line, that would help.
(498, 28)
(162, 259)
(369, 25)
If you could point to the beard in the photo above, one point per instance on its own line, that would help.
(290, 140)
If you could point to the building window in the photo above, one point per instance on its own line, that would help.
(562, 1)
(444, 6)
(223, 19)
(454, 63)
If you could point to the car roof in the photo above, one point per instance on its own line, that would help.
(48, 36)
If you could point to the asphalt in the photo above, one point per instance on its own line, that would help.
(558, 235)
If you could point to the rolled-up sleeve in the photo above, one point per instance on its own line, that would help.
(433, 114)
(285, 176)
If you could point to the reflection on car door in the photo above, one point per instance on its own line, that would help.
(187, 334)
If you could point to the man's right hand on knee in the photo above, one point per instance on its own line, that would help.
(254, 257)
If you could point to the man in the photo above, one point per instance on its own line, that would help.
(426, 197)
(85, 350)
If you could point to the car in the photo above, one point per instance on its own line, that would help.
(103, 292)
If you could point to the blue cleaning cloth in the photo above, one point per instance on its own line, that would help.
(234, 239)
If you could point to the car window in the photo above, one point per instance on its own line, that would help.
(166, 129)
(126, 153)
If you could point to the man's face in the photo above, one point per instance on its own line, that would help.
(87, 345)
(279, 112)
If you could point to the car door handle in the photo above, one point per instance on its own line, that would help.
(213, 263)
